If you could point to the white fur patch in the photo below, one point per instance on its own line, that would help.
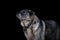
(35, 26)
(43, 33)
(22, 24)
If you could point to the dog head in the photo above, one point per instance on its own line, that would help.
(25, 16)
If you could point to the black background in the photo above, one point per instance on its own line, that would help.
(44, 10)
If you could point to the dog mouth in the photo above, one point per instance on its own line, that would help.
(28, 26)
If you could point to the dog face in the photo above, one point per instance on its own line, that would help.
(25, 22)
(25, 16)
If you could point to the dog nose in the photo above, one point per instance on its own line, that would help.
(17, 15)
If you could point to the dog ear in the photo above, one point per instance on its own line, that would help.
(31, 13)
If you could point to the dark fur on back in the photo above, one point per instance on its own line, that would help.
(52, 30)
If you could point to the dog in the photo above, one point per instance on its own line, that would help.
(36, 29)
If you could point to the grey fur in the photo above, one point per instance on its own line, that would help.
(38, 29)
